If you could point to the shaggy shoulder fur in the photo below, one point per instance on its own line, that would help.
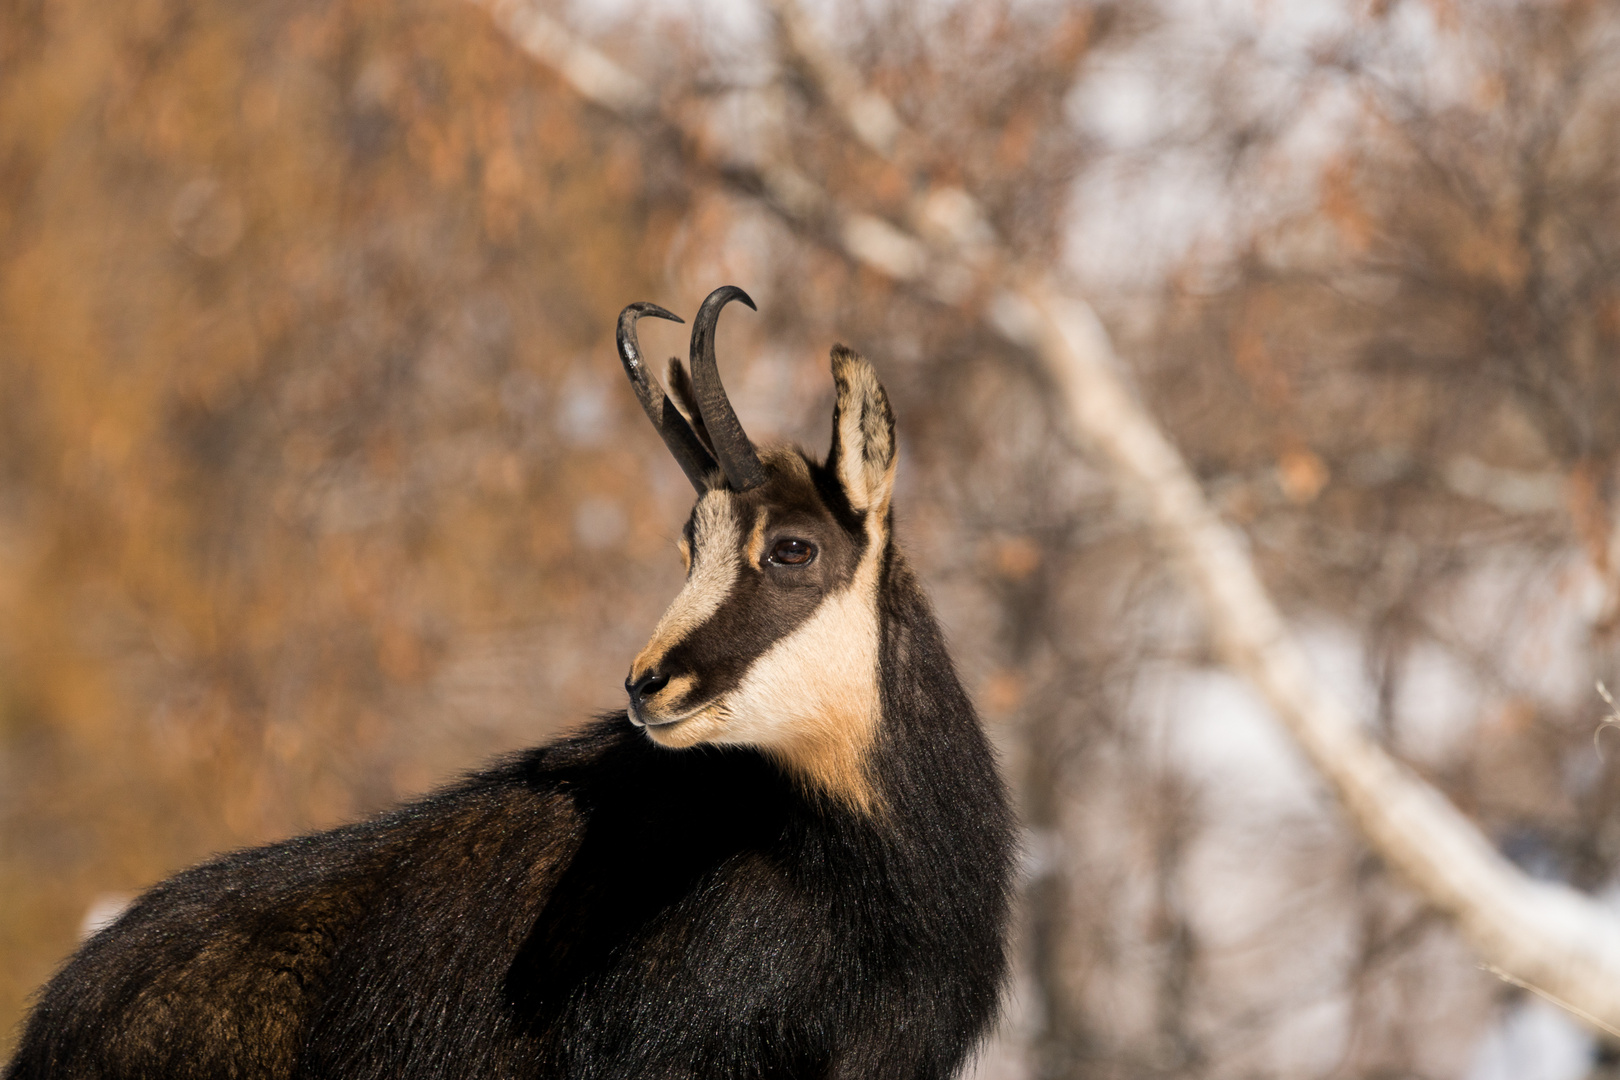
(599, 907)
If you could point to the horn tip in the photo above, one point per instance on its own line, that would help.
(725, 294)
(641, 308)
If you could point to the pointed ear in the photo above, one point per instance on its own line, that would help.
(863, 446)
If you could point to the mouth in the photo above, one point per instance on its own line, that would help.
(641, 721)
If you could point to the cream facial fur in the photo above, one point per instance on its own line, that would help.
(717, 562)
(812, 700)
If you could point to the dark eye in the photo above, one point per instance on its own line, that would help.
(793, 552)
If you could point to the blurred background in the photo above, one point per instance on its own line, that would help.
(320, 482)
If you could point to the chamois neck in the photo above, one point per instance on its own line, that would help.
(931, 757)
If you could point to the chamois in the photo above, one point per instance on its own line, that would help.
(789, 856)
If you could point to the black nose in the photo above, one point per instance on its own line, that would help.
(645, 687)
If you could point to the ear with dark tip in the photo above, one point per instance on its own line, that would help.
(731, 446)
(689, 452)
(863, 446)
(680, 388)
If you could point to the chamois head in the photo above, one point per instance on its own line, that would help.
(773, 641)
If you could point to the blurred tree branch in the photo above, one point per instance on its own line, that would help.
(1544, 935)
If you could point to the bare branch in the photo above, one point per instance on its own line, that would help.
(867, 113)
(592, 74)
(1551, 936)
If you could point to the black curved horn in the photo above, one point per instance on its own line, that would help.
(726, 435)
(694, 459)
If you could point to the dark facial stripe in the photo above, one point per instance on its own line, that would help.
(765, 606)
